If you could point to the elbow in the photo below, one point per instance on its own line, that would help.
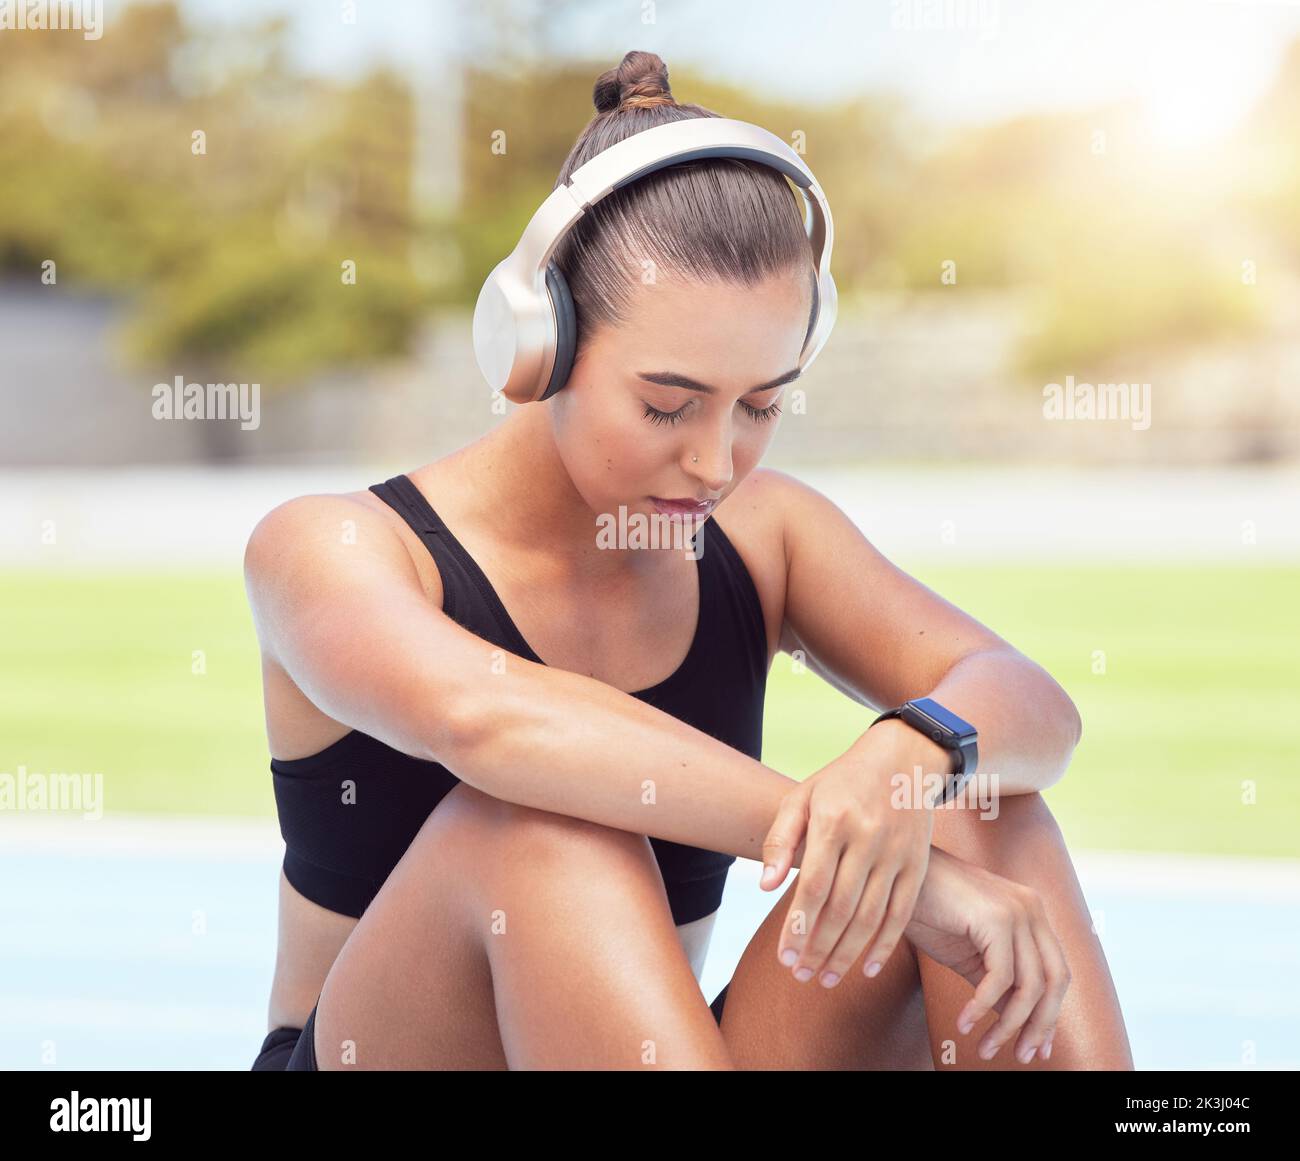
(492, 724)
(469, 740)
(1059, 713)
(458, 734)
(1061, 729)
(1072, 731)
(1074, 723)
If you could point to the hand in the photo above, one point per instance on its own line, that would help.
(862, 853)
(995, 934)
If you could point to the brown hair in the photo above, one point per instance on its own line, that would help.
(714, 219)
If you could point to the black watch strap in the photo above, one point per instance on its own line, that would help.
(945, 728)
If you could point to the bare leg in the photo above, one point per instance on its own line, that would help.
(511, 937)
(771, 1021)
(1025, 844)
(906, 1017)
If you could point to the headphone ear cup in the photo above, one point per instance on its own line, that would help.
(566, 329)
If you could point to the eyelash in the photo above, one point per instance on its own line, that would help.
(758, 415)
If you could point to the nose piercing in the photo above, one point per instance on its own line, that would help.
(695, 459)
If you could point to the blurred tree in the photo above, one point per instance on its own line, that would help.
(233, 255)
(234, 258)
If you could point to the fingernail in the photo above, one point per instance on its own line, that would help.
(830, 979)
(873, 968)
(965, 1026)
(769, 876)
(789, 957)
(804, 974)
(1026, 1057)
(1047, 1047)
(987, 1052)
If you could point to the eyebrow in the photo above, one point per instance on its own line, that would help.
(672, 379)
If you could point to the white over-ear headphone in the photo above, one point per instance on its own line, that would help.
(525, 330)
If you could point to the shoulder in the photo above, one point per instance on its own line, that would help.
(772, 519)
(321, 519)
(306, 510)
(309, 534)
(753, 519)
(773, 504)
(811, 522)
(789, 491)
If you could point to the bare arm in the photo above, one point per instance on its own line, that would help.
(881, 637)
(567, 743)
(339, 605)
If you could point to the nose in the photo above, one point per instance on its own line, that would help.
(711, 464)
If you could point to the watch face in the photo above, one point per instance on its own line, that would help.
(945, 719)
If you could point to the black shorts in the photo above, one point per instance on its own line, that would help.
(294, 1049)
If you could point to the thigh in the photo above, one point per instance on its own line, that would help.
(411, 987)
(906, 1017)
(1024, 843)
(511, 937)
(588, 968)
(772, 1021)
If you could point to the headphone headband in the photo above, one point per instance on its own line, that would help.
(524, 321)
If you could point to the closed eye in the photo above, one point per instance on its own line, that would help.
(757, 414)
(762, 414)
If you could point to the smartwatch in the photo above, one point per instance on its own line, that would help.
(941, 725)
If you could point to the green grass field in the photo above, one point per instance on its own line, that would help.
(1199, 695)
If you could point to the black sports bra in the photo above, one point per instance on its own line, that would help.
(339, 849)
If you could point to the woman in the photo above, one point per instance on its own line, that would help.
(548, 904)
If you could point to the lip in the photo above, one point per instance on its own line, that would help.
(684, 507)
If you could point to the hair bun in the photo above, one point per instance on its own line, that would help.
(640, 80)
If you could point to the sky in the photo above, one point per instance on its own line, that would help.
(1196, 65)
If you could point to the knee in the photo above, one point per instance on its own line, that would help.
(973, 831)
(1027, 815)
(494, 825)
(541, 835)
